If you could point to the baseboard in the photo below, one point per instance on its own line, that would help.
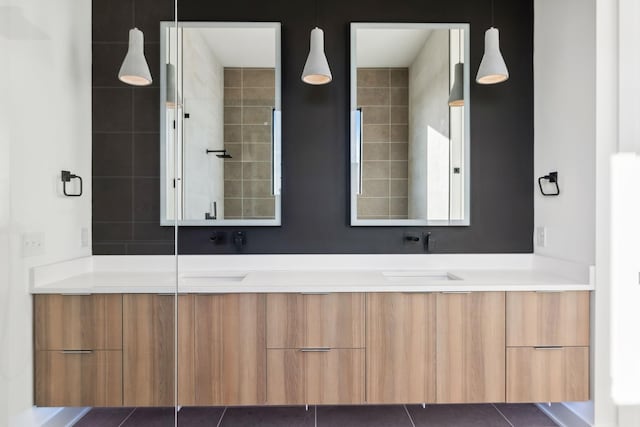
(562, 415)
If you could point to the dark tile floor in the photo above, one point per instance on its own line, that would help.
(500, 415)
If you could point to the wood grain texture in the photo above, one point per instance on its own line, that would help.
(547, 319)
(78, 322)
(285, 377)
(230, 349)
(148, 350)
(333, 320)
(470, 355)
(335, 377)
(92, 379)
(401, 330)
(186, 351)
(547, 375)
(285, 321)
(244, 349)
(207, 350)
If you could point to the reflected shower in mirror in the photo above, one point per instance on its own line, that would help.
(409, 136)
(220, 130)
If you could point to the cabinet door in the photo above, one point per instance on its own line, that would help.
(285, 377)
(401, 348)
(78, 322)
(470, 347)
(547, 319)
(334, 320)
(314, 376)
(285, 321)
(230, 349)
(547, 374)
(78, 378)
(149, 346)
(334, 377)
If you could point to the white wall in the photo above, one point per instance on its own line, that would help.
(429, 129)
(619, 65)
(45, 114)
(564, 120)
(565, 141)
(203, 86)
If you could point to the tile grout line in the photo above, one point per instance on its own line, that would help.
(128, 416)
(221, 417)
(409, 415)
(315, 415)
(503, 415)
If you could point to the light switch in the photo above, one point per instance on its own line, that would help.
(541, 236)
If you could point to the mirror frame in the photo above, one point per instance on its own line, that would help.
(355, 146)
(277, 128)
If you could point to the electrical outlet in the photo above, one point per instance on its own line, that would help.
(84, 237)
(33, 244)
(541, 236)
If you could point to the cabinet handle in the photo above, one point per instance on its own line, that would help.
(76, 351)
(455, 292)
(315, 293)
(315, 349)
(76, 294)
(548, 347)
(549, 292)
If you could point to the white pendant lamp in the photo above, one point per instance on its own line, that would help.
(456, 97)
(492, 68)
(316, 69)
(171, 86)
(134, 69)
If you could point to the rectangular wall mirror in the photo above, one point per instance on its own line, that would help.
(220, 128)
(409, 140)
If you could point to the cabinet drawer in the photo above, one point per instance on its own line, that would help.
(547, 319)
(78, 322)
(329, 320)
(315, 376)
(78, 378)
(559, 374)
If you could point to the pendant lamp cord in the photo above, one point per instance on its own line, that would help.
(316, 12)
(492, 21)
(460, 45)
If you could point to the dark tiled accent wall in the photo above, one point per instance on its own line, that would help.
(315, 132)
(126, 142)
(249, 98)
(384, 100)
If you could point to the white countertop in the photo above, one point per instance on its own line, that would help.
(311, 281)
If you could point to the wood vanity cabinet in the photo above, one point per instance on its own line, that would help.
(315, 348)
(78, 350)
(292, 349)
(230, 349)
(547, 346)
(470, 355)
(401, 348)
(149, 348)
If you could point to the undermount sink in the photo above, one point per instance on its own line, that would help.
(212, 279)
(418, 276)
